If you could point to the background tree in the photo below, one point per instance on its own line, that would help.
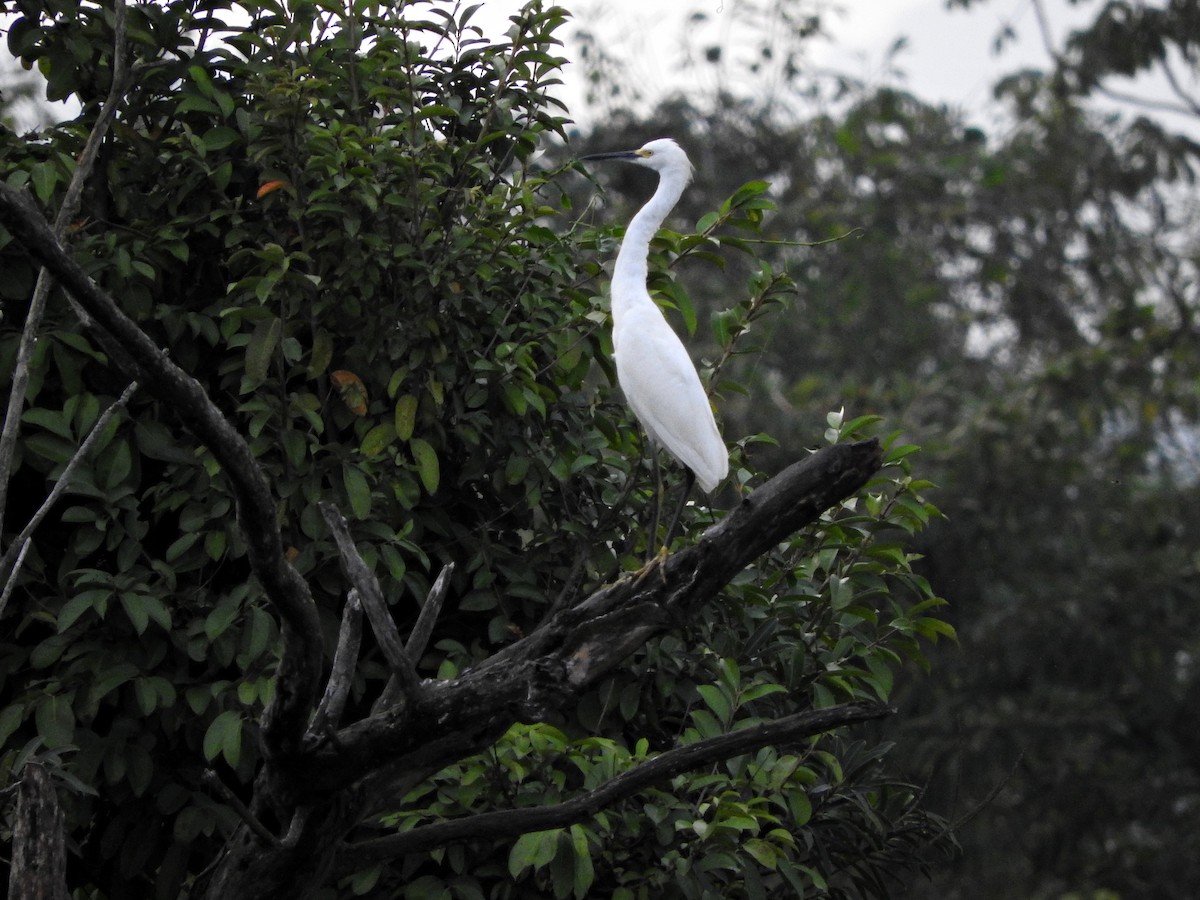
(312, 272)
(1023, 299)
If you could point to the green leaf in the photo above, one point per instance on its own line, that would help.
(53, 420)
(219, 138)
(358, 491)
(135, 609)
(585, 873)
(427, 464)
(55, 720)
(406, 416)
(378, 439)
(882, 672)
(716, 700)
(321, 356)
(533, 850)
(364, 882)
(96, 598)
(224, 737)
(202, 80)
(261, 348)
(180, 546)
(762, 690)
(114, 465)
(11, 718)
(146, 695)
(45, 179)
(221, 618)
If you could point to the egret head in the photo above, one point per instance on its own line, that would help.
(663, 156)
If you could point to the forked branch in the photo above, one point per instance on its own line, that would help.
(371, 595)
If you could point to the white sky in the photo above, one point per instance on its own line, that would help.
(949, 57)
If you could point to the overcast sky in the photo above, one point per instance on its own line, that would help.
(949, 57)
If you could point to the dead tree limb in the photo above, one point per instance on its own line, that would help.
(345, 659)
(420, 635)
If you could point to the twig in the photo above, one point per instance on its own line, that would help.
(512, 822)
(1039, 12)
(213, 782)
(371, 594)
(41, 290)
(345, 658)
(856, 231)
(23, 548)
(8, 566)
(1187, 99)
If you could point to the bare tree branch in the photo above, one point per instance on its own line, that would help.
(429, 613)
(8, 566)
(512, 822)
(371, 595)
(345, 659)
(300, 664)
(421, 632)
(10, 583)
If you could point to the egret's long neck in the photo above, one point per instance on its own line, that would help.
(629, 274)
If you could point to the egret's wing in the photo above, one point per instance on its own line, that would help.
(664, 391)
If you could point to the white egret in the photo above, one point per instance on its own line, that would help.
(653, 368)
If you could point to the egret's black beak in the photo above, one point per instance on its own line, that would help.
(619, 154)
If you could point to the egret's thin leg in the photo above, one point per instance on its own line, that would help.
(656, 561)
(652, 541)
(689, 479)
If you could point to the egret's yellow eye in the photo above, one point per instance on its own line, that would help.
(645, 154)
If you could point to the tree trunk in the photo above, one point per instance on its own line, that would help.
(39, 860)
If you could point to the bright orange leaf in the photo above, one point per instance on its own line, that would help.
(269, 186)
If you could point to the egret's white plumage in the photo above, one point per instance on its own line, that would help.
(653, 368)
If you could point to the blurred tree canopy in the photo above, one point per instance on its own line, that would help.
(376, 299)
(1022, 297)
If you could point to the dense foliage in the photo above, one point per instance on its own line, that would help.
(336, 218)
